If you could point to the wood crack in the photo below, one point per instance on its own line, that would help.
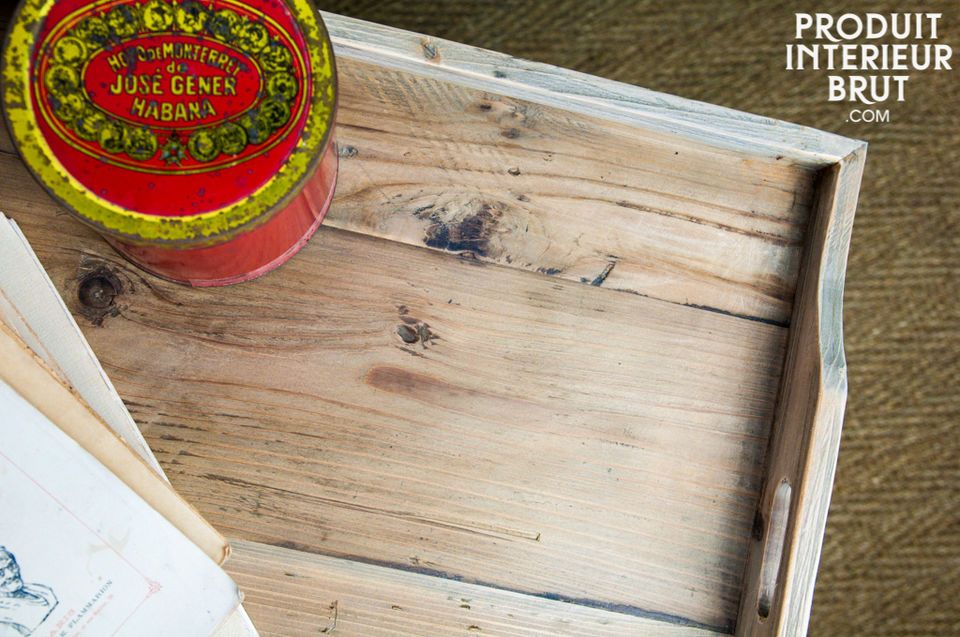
(746, 317)
(600, 278)
(604, 274)
(756, 234)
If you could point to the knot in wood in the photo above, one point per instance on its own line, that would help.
(407, 334)
(98, 292)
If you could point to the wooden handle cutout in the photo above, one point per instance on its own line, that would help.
(773, 551)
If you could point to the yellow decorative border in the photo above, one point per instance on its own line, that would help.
(192, 230)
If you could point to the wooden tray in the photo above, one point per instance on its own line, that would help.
(545, 370)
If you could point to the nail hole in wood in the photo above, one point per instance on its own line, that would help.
(430, 50)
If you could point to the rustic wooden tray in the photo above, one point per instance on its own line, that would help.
(545, 369)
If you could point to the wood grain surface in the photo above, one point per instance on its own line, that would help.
(528, 420)
(323, 595)
(566, 194)
(536, 348)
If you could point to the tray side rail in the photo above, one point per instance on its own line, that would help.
(802, 456)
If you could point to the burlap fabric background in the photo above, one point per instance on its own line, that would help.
(891, 562)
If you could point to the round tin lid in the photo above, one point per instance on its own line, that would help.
(170, 122)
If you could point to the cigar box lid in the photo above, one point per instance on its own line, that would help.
(170, 122)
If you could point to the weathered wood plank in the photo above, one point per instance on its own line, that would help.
(290, 593)
(554, 191)
(502, 74)
(538, 435)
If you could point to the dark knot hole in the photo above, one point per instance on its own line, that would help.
(98, 291)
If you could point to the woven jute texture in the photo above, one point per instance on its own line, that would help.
(891, 559)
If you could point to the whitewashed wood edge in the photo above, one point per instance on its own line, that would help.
(810, 466)
(503, 74)
(822, 451)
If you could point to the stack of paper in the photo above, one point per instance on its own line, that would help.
(93, 539)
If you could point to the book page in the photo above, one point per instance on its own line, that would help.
(32, 308)
(85, 555)
(37, 384)
(76, 362)
(237, 625)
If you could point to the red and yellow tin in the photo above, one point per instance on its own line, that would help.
(194, 135)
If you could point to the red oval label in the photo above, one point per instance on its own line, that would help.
(172, 94)
(172, 81)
